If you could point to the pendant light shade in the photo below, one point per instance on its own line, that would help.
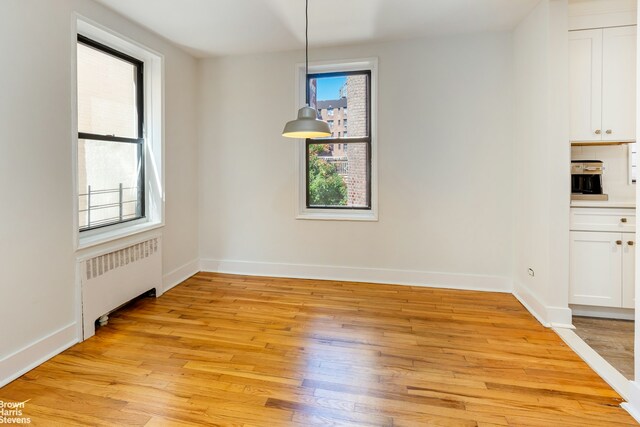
(306, 125)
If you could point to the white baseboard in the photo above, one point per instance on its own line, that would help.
(180, 274)
(604, 312)
(356, 274)
(632, 406)
(615, 379)
(548, 316)
(558, 317)
(24, 360)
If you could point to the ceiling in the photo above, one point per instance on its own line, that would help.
(226, 27)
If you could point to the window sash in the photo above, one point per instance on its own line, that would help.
(309, 142)
(343, 74)
(341, 140)
(139, 66)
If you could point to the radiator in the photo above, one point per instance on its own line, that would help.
(112, 279)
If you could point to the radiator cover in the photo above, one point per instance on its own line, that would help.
(114, 278)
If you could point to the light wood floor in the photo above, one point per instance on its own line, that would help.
(610, 338)
(234, 350)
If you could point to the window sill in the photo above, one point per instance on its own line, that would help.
(85, 242)
(329, 215)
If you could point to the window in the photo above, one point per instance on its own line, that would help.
(111, 145)
(341, 181)
(118, 163)
(337, 175)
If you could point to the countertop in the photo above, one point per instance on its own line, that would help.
(602, 204)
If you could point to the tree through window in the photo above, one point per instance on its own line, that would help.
(339, 167)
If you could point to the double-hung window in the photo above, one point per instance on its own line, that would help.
(339, 168)
(111, 143)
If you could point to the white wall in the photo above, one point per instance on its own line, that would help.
(445, 166)
(542, 156)
(38, 289)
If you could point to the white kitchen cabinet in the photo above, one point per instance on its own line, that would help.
(619, 84)
(602, 259)
(602, 73)
(603, 219)
(596, 269)
(585, 84)
(628, 271)
(602, 269)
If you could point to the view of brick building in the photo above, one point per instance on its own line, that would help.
(347, 117)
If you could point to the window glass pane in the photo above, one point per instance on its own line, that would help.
(341, 98)
(338, 175)
(108, 182)
(106, 94)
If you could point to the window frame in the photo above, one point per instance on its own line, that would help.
(340, 139)
(302, 212)
(154, 176)
(140, 126)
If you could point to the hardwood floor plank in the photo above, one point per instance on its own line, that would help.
(233, 350)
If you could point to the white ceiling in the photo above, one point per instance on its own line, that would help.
(224, 27)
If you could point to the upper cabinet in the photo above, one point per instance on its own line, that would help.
(602, 67)
(619, 84)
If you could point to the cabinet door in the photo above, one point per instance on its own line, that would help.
(629, 270)
(585, 84)
(596, 269)
(619, 84)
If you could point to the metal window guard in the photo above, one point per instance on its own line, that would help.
(119, 204)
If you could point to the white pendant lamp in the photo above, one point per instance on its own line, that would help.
(307, 124)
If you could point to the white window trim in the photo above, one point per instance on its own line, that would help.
(153, 134)
(302, 212)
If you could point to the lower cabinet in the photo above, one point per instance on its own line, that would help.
(602, 269)
(629, 271)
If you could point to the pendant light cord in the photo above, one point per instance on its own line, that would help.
(306, 37)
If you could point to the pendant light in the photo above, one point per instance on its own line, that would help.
(307, 124)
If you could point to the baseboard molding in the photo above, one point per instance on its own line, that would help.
(603, 312)
(615, 379)
(180, 274)
(632, 406)
(548, 316)
(355, 274)
(24, 360)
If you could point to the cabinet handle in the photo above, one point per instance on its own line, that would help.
(618, 242)
(609, 132)
(630, 243)
(623, 219)
(598, 131)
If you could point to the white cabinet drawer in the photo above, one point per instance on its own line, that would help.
(603, 219)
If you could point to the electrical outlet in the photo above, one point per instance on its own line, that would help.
(531, 272)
